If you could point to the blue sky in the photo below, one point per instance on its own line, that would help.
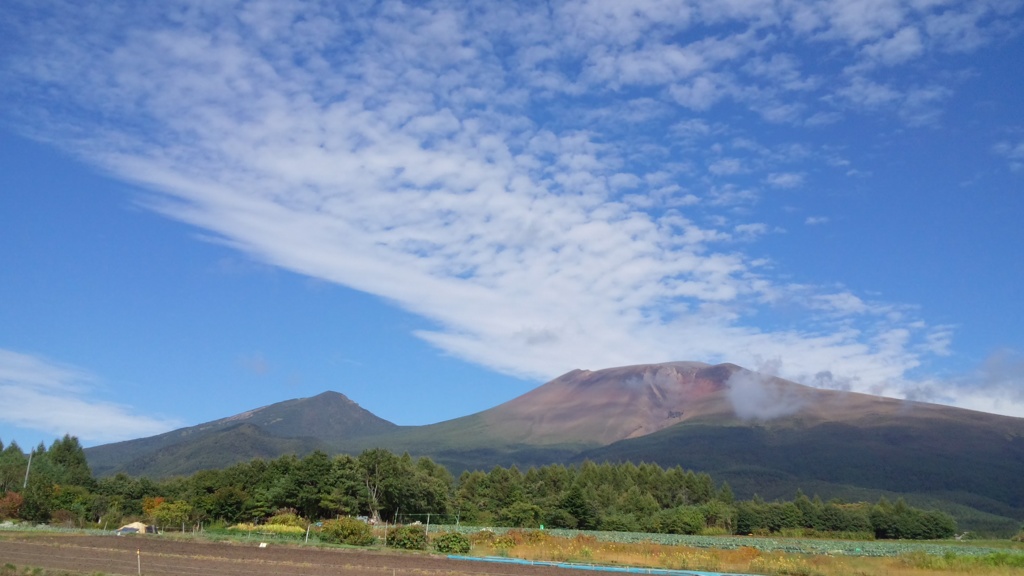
(434, 207)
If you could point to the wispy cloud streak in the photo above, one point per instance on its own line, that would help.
(48, 397)
(476, 166)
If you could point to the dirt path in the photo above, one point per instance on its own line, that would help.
(112, 555)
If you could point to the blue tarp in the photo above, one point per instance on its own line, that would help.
(626, 569)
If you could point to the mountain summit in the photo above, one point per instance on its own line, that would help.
(614, 404)
(293, 426)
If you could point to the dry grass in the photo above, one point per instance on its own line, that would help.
(533, 545)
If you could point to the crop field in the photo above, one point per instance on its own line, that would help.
(49, 553)
(158, 556)
(780, 556)
(811, 546)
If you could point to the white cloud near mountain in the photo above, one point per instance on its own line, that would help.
(39, 394)
(468, 165)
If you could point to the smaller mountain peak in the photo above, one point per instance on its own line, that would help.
(331, 395)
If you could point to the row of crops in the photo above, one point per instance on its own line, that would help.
(877, 548)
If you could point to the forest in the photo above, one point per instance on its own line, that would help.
(55, 485)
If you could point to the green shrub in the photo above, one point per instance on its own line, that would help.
(559, 518)
(620, 523)
(521, 515)
(452, 543)
(347, 531)
(680, 520)
(218, 525)
(409, 537)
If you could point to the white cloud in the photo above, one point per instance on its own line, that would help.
(785, 179)
(996, 386)
(857, 21)
(473, 166)
(754, 397)
(730, 195)
(966, 27)
(752, 230)
(904, 45)
(816, 220)
(823, 118)
(700, 93)
(1014, 153)
(921, 105)
(726, 166)
(55, 399)
(842, 303)
(866, 93)
(916, 105)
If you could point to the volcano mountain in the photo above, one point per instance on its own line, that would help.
(762, 434)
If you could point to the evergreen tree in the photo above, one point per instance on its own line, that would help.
(725, 494)
(579, 506)
(311, 478)
(637, 502)
(471, 501)
(70, 466)
(13, 463)
(347, 494)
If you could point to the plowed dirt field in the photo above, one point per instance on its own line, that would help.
(159, 556)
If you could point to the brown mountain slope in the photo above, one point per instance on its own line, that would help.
(605, 406)
(579, 409)
(597, 408)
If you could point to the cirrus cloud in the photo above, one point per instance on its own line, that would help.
(470, 165)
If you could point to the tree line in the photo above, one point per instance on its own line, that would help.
(384, 486)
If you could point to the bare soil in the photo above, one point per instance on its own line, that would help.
(159, 556)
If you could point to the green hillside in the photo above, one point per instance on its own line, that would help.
(966, 468)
